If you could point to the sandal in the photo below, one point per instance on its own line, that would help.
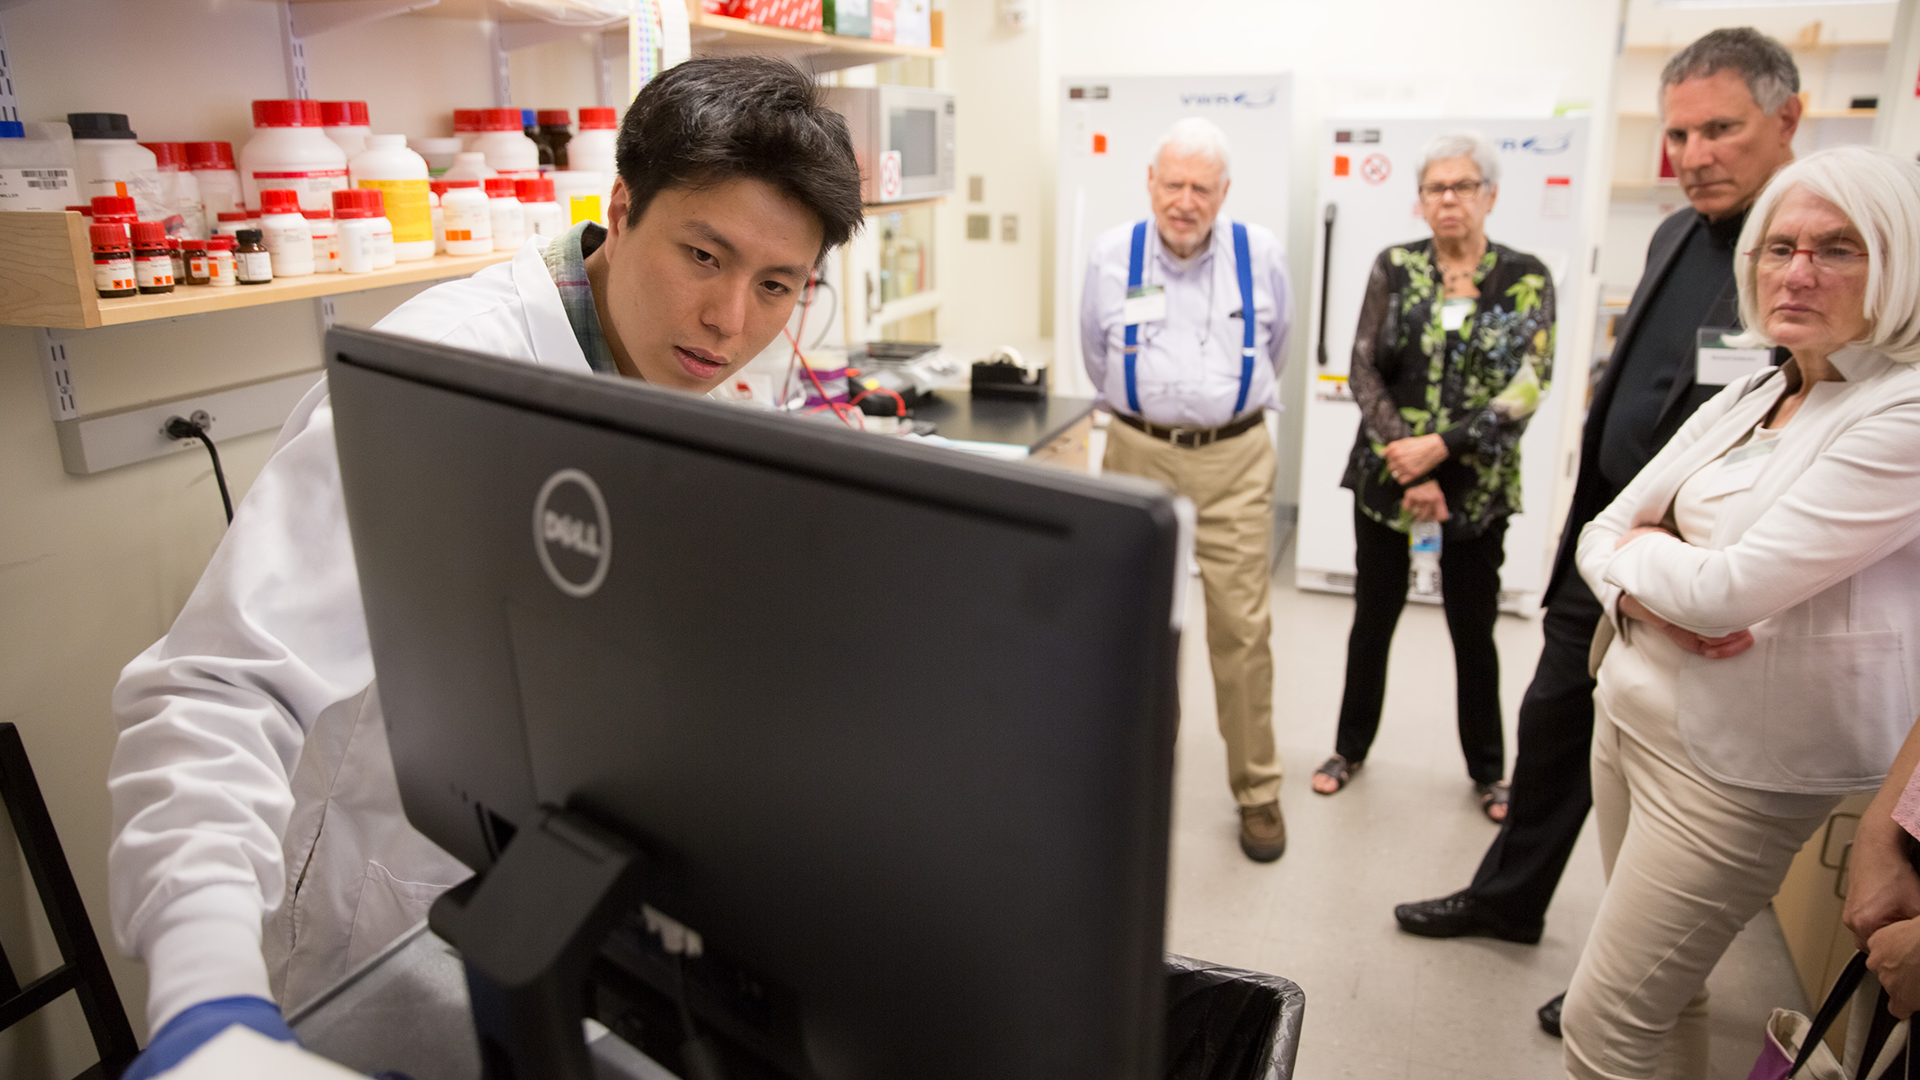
(1339, 770)
(1494, 794)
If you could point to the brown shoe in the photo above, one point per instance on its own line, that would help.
(1263, 832)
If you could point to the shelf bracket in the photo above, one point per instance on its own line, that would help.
(318, 18)
(502, 68)
(58, 376)
(293, 52)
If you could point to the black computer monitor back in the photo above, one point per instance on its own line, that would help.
(892, 725)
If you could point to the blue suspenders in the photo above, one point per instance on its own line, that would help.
(1243, 269)
(1136, 262)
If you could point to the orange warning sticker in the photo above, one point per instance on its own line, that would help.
(1099, 142)
(1342, 165)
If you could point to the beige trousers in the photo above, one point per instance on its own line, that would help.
(1231, 485)
(1689, 861)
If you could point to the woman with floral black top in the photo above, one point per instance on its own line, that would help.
(1453, 352)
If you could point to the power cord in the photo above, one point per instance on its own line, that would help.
(195, 427)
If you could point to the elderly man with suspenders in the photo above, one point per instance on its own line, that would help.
(1196, 311)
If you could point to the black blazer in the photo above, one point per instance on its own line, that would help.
(1590, 491)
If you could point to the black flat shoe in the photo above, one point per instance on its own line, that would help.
(1549, 1015)
(1460, 915)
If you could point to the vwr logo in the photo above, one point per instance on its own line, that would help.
(572, 532)
(1536, 144)
(1246, 99)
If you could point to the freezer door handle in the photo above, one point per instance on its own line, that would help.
(1326, 279)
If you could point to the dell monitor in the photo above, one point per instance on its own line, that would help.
(850, 755)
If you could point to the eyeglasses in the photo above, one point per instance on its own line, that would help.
(1827, 258)
(1460, 190)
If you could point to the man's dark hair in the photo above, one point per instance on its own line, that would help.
(1764, 63)
(715, 119)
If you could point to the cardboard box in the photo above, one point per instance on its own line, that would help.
(882, 20)
(913, 22)
(849, 18)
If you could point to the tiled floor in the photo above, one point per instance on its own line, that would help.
(1380, 1003)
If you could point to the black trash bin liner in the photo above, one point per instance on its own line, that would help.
(1228, 1024)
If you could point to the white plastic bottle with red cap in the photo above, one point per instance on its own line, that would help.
(345, 122)
(504, 142)
(211, 164)
(283, 229)
(366, 236)
(468, 218)
(544, 217)
(591, 150)
(289, 151)
(509, 222)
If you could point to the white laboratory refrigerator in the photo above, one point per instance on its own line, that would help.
(1368, 201)
(1108, 129)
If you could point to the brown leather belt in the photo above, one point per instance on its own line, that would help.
(1192, 438)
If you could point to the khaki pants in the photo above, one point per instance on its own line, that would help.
(1231, 485)
(1689, 861)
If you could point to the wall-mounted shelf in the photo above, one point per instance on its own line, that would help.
(875, 209)
(46, 279)
(718, 34)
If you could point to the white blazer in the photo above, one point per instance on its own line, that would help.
(252, 777)
(1820, 558)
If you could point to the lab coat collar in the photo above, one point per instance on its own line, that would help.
(547, 327)
(1859, 363)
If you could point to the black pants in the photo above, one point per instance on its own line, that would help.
(1552, 782)
(1470, 593)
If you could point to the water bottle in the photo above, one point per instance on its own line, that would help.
(1423, 542)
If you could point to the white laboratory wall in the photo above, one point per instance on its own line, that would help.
(93, 569)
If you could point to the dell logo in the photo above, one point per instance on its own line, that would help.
(572, 532)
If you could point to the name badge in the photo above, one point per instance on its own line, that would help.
(1455, 312)
(1717, 364)
(1740, 468)
(1145, 303)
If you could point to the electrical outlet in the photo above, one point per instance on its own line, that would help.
(979, 226)
(1009, 228)
(91, 444)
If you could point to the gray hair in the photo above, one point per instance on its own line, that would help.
(1197, 137)
(1879, 192)
(1765, 64)
(1463, 144)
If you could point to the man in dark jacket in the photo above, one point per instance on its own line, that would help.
(1729, 111)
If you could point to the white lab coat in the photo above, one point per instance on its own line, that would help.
(252, 779)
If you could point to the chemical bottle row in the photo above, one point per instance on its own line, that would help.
(312, 149)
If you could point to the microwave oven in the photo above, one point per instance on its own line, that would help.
(903, 138)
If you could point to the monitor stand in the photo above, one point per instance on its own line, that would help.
(528, 930)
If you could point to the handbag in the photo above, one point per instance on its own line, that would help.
(1795, 1046)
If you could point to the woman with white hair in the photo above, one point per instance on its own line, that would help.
(1760, 658)
(1454, 349)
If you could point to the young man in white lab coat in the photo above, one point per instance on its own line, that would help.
(260, 850)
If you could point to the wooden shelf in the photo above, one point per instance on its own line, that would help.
(875, 209)
(46, 279)
(822, 52)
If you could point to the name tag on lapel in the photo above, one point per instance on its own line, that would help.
(1717, 364)
(1740, 468)
(1147, 303)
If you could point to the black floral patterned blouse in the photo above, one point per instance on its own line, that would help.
(1475, 385)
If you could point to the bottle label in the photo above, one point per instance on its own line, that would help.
(465, 221)
(153, 271)
(407, 208)
(253, 265)
(316, 186)
(113, 273)
(220, 268)
(46, 188)
(197, 266)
